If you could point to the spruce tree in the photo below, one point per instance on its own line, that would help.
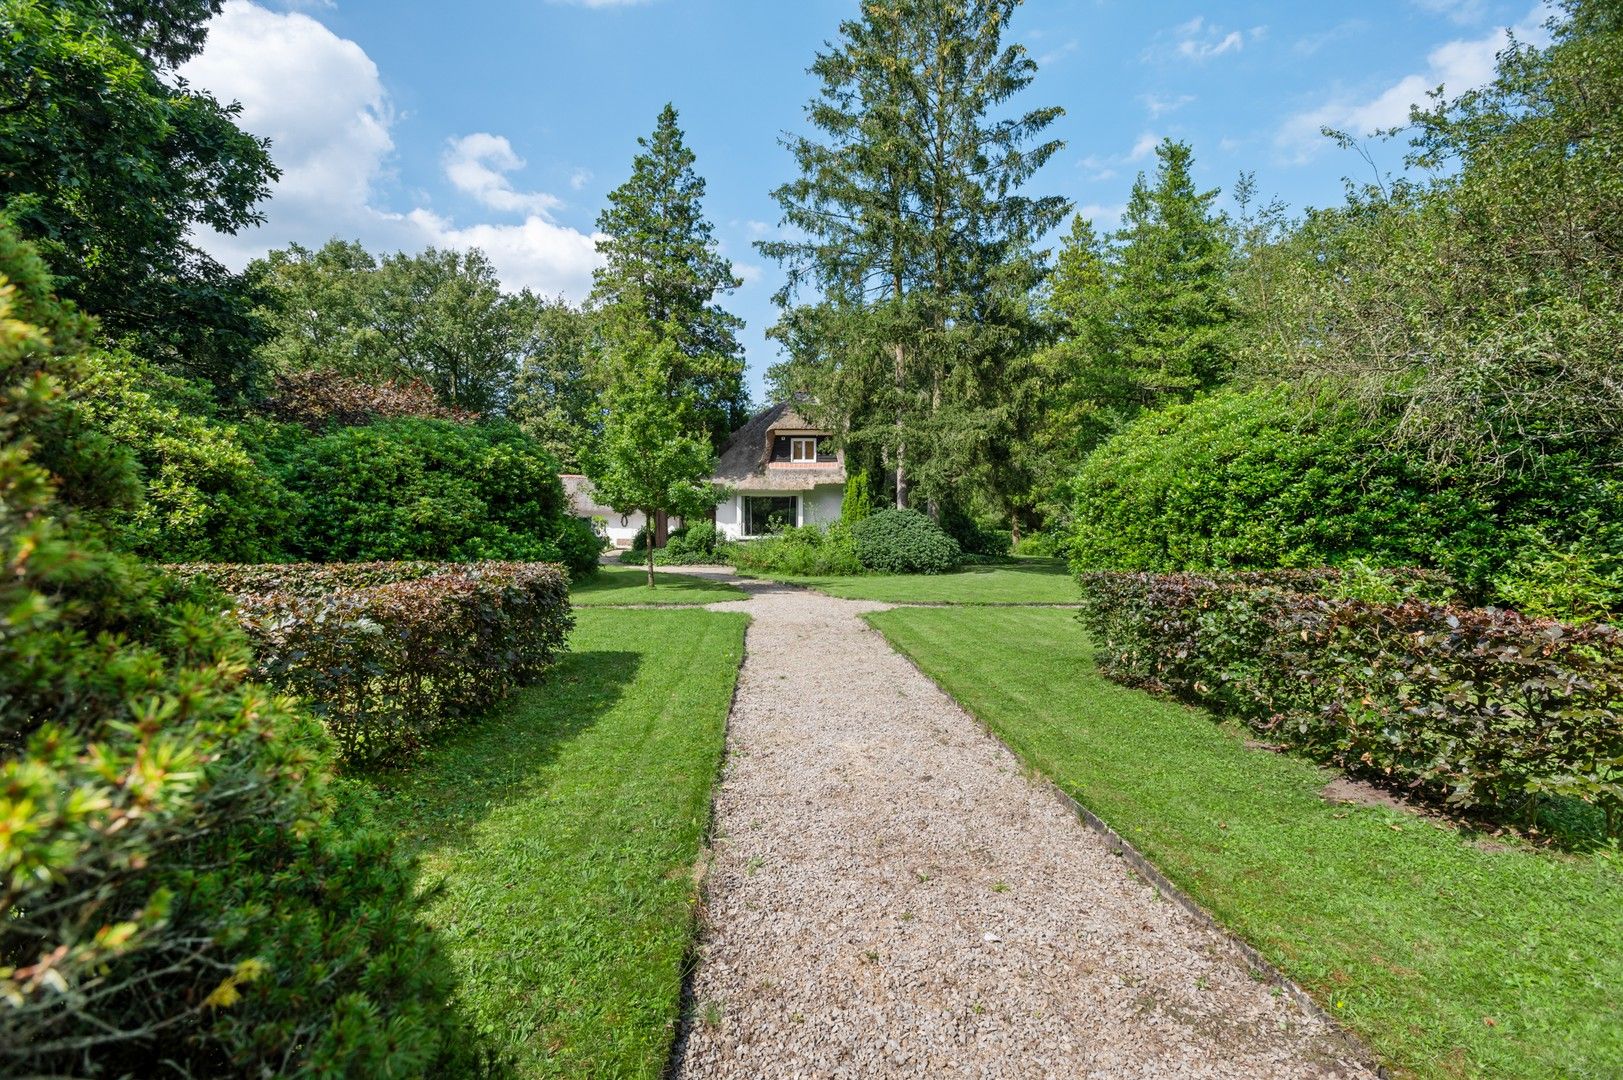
(1171, 305)
(914, 241)
(662, 272)
(1145, 319)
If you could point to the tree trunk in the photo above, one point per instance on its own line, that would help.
(901, 450)
(648, 517)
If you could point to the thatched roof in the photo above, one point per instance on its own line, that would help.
(744, 460)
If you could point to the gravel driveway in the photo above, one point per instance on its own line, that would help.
(890, 896)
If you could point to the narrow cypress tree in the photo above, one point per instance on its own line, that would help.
(662, 271)
(913, 235)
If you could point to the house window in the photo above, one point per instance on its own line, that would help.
(765, 514)
(803, 450)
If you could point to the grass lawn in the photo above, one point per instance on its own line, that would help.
(1450, 954)
(621, 585)
(563, 834)
(1024, 581)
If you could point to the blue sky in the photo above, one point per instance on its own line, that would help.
(503, 123)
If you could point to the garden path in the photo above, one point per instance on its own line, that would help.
(889, 895)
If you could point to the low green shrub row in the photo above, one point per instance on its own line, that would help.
(391, 655)
(1480, 708)
(808, 551)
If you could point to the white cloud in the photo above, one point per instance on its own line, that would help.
(478, 164)
(1198, 39)
(1104, 217)
(1456, 66)
(1144, 147)
(1460, 11)
(322, 102)
(1161, 104)
(579, 178)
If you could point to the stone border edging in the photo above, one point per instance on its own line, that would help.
(1134, 858)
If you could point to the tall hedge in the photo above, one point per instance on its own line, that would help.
(435, 490)
(1257, 480)
(177, 890)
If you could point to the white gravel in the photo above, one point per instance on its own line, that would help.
(889, 895)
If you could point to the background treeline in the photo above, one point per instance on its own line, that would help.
(1424, 375)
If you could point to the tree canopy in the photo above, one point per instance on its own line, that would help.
(109, 162)
(662, 270)
(912, 251)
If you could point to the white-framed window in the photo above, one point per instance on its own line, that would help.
(803, 451)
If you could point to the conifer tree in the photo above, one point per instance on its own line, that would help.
(1147, 319)
(662, 271)
(913, 237)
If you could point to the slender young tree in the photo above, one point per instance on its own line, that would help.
(647, 458)
(662, 270)
(912, 235)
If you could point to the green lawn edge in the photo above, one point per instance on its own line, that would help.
(560, 840)
(626, 586)
(1449, 953)
(1020, 581)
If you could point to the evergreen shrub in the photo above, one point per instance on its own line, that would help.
(437, 490)
(182, 889)
(904, 542)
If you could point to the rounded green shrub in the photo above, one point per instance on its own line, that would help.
(904, 542)
(1260, 479)
(436, 490)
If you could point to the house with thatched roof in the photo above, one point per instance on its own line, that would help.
(781, 470)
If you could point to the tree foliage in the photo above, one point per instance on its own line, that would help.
(439, 317)
(1479, 298)
(662, 270)
(909, 231)
(110, 162)
(648, 457)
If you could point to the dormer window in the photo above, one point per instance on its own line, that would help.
(803, 450)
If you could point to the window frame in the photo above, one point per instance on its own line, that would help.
(747, 522)
(796, 443)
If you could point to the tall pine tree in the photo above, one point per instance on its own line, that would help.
(662, 272)
(915, 241)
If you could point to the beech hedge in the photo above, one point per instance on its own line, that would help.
(1480, 708)
(390, 655)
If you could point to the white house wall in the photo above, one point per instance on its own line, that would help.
(819, 506)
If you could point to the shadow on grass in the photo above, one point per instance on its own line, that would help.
(437, 800)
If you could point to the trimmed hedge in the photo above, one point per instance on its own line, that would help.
(904, 542)
(1477, 707)
(390, 655)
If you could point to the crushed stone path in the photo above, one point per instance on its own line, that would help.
(889, 895)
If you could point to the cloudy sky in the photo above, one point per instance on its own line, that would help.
(502, 124)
